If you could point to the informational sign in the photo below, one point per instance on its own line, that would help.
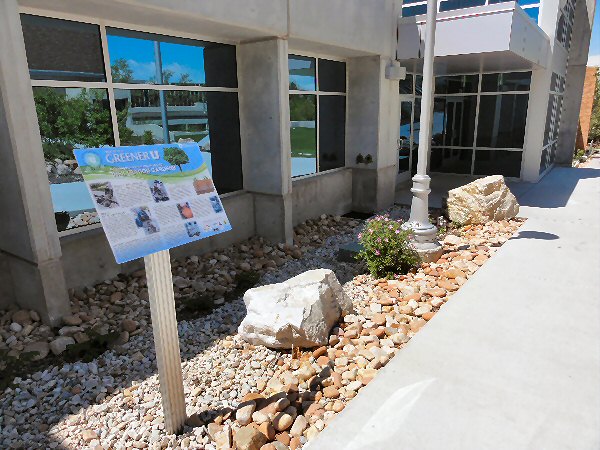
(152, 197)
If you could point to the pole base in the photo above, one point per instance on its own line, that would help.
(427, 251)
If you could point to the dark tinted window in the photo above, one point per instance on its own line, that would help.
(414, 10)
(332, 131)
(498, 162)
(224, 143)
(502, 120)
(451, 160)
(406, 85)
(404, 140)
(62, 50)
(456, 84)
(332, 76)
(454, 121)
(451, 5)
(502, 82)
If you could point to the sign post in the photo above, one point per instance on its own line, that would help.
(166, 339)
(151, 198)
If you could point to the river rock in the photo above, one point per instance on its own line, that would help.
(298, 312)
(481, 201)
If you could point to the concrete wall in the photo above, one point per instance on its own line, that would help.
(325, 193)
(88, 259)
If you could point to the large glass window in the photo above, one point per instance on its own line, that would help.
(157, 96)
(317, 114)
(472, 114)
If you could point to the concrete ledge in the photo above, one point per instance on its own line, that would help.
(327, 192)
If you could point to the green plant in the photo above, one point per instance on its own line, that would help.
(386, 249)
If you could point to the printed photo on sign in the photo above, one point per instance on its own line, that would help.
(144, 220)
(203, 186)
(216, 204)
(159, 191)
(185, 211)
(152, 197)
(193, 229)
(104, 195)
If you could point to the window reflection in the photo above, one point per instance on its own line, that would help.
(134, 58)
(502, 120)
(492, 162)
(454, 121)
(71, 118)
(404, 142)
(332, 76)
(303, 134)
(451, 160)
(302, 73)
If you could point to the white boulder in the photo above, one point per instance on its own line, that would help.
(481, 201)
(299, 312)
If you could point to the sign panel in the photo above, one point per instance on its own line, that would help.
(152, 197)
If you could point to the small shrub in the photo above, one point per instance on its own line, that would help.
(386, 249)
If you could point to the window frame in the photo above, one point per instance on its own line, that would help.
(317, 93)
(415, 4)
(415, 98)
(108, 84)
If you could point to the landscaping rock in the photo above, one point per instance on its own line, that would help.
(59, 345)
(481, 201)
(249, 438)
(298, 312)
(40, 349)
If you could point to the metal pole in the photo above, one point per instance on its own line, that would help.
(161, 93)
(166, 339)
(425, 242)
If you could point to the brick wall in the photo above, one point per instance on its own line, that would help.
(587, 102)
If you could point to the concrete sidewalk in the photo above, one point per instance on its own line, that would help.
(512, 361)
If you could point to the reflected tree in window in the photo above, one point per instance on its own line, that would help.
(71, 118)
(121, 72)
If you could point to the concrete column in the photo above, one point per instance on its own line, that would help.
(575, 78)
(536, 122)
(29, 241)
(372, 128)
(264, 129)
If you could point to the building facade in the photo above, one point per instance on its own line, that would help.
(292, 103)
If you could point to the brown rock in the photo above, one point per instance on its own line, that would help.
(379, 319)
(319, 352)
(453, 272)
(22, 317)
(448, 285)
(331, 392)
(322, 360)
(428, 315)
(129, 325)
(89, 435)
(416, 297)
(294, 443)
(249, 438)
(267, 429)
(72, 320)
(283, 437)
(436, 292)
(284, 419)
(116, 297)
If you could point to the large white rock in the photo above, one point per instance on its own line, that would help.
(481, 201)
(299, 312)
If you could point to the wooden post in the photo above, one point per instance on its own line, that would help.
(166, 339)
